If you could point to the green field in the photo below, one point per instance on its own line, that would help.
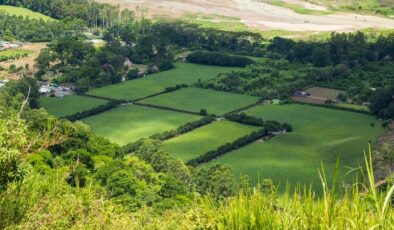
(320, 136)
(127, 124)
(13, 52)
(199, 141)
(353, 106)
(195, 99)
(20, 11)
(184, 73)
(69, 105)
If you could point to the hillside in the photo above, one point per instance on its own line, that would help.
(260, 15)
(20, 11)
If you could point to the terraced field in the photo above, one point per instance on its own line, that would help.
(206, 138)
(65, 106)
(184, 73)
(127, 124)
(320, 136)
(195, 99)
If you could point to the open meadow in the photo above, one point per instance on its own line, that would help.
(127, 124)
(199, 141)
(69, 105)
(20, 11)
(320, 136)
(184, 73)
(10, 53)
(194, 99)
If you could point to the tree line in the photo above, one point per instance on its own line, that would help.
(218, 59)
(92, 14)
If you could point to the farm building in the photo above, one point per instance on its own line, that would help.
(127, 63)
(7, 45)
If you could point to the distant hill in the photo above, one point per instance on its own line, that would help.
(385, 7)
(20, 11)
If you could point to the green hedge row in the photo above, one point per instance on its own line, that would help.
(333, 107)
(268, 131)
(184, 128)
(102, 108)
(219, 59)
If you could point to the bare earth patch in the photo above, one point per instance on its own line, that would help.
(259, 15)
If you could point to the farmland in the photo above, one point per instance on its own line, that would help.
(195, 99)
(127, 124)
(13, 53)
(320, 136)
(206, 138)
(69, 105)
(184, 73)
(20, 11)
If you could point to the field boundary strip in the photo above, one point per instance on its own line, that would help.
(167, 108)
(332, 107)
(105, 98)
(241, 142)
(243, 109)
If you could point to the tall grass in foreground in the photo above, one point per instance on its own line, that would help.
(363, 207)
(48, 202)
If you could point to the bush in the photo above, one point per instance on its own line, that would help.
(203, 112)
(166, 65)
(133, 74)
(220, 59)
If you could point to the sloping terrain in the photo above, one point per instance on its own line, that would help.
(259, 15)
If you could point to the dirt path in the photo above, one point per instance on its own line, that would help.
(260, 15)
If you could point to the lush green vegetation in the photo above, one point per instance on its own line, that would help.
(61, 107)
(58, 174)
(195, 99)
(219, 59)
(384, 7)
(267, 79)
(319, 135)
(90, 13)
(13, 54)
(13, 27)
(184, 73)
(206, 138)
(353, 106)
(127, 124)
(20, 11)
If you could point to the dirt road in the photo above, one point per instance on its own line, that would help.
(260, 15)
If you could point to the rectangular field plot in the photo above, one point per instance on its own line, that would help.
(194, 99)
(127, 124)
(184, 73)
(199, 141)
(320, 136)
(69, 105)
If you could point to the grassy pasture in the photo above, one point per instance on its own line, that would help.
(13, 52)
(20, 11)
(69, 105)
(127, 124)
(206, 138)
(195, 99)
(320, 136)
(353, 106)
(184, 73)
